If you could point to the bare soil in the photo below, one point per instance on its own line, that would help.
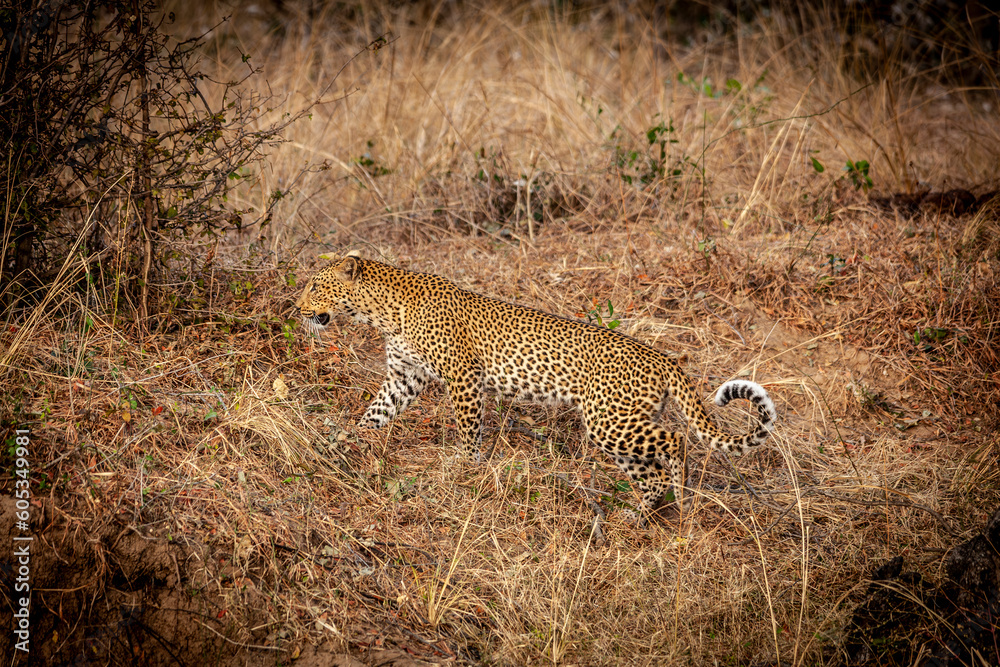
(115, 595)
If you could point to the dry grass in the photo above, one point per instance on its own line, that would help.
(485, 149)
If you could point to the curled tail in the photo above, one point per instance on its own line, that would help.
(757, 395)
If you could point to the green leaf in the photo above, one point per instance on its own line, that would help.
(817, 165)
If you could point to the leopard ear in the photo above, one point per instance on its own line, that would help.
(349, 269)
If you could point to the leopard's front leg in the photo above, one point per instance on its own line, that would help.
(405, 379)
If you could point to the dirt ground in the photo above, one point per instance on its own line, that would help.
(113, 594)
(162, 577)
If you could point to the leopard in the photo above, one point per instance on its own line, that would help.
(475, 345)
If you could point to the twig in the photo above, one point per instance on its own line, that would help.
(724, 321)
(595, 527)
(238, 644)
(599, 513)
(562, 477)
(408, 546)
(746, 485)
(528, 432)
(509, 428)
(864, 503)
(736, 492)
(891, 503)
(438, 645)
(774, 523)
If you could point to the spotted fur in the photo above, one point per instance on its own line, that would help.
(435, 330)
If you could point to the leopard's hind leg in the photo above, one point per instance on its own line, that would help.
(650, 455)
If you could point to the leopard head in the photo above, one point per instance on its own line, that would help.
(330, 292)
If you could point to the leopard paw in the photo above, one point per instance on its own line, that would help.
(373, 419)
(635, 518)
